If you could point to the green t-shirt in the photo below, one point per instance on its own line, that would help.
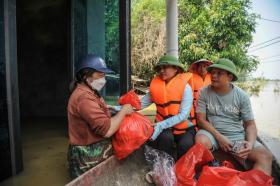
(226, 112)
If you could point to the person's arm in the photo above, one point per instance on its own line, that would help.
(184, 112)
(146, 100)
(250, 138)
(224, 142)
(249, 124)
(116, 120)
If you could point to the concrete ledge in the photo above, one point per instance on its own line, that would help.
(273, 144)
(89, 177)
(128, 171)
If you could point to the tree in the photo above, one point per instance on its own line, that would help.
(148, 36)
(217, 28)
(112, 34)
(207, 29)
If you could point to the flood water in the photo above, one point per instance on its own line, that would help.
(266, 108)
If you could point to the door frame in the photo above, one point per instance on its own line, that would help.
(124, 39)
(10, 44)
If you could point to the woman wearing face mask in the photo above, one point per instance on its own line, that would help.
(90, 125)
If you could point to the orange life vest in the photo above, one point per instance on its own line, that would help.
(197, 83)
(168, 97)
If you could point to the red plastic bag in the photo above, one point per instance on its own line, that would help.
(134, 130)
(223, 176)
(216, 176)
(251, 178)
(185, 167)
(130, 98)
(228, 164)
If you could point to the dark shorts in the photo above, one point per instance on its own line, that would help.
(82, 158)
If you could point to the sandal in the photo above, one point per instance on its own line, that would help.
(149, 177)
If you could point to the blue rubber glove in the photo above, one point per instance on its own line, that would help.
(157, 130)
(160, 126)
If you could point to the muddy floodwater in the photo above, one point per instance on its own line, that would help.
(266, 108)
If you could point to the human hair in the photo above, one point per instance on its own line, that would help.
(231, 75)
(81, 77)
(180, 70)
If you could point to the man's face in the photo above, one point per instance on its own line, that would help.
(220, 78)
(201, 69)
(166, 72)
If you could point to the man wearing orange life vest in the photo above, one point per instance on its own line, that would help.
(200, 78)
(171, 93)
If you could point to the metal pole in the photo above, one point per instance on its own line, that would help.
(172, 27)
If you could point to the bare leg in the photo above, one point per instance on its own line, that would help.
(204, 140)
(262, 159)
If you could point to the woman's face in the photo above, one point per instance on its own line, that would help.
(166, 72)
(95, 75)
(201, 69)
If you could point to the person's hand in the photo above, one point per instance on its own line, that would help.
(224, 143)
(245, 151)
(153, 124)
(127, 109)
(110, 107)
(157, 130)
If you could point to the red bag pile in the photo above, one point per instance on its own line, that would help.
(134, 130)
(185, 167)
(198, 155)
(130, 98)
(223, 176)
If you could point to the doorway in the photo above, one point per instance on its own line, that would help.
(45, 67)
(43, 33)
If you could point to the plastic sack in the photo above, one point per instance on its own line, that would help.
(216, 176)
(162, 166)
(228, 164)
(130, 98)
(223, 176)
(185, 167)
(251, 178)
(134, 130)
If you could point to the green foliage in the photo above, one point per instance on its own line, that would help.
(142, 8)
(148, 36)
(207, 29)
(217, 28)
(112, 34)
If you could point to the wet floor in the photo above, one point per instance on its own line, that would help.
(44, 154)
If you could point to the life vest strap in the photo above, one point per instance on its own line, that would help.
(165, 117)
(168, 103)
(184, 129)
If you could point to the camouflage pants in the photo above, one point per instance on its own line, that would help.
(83, 158)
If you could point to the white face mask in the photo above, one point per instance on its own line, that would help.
(98, 84)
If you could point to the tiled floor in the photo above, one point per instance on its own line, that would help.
(44, 143)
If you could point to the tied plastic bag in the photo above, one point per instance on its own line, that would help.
(134, 130)
(185, 167)
(223, 176)
(162, 166)
(130, 98)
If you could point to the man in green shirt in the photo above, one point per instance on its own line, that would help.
(225, 117)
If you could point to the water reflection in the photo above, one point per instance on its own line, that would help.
(266, 108)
